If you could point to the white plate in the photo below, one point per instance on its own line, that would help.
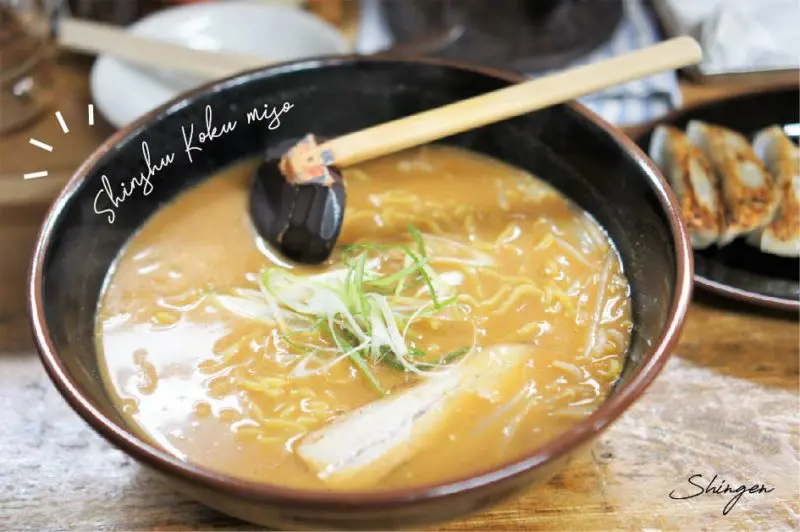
(123, 92)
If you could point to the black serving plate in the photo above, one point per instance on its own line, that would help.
(738, 270)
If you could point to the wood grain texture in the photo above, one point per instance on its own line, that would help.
(726, 404)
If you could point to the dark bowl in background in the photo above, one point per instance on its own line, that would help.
(589, 161)
(524, 36)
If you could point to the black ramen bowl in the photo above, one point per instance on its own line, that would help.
(590, 162)
(739, 271)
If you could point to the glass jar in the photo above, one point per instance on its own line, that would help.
(26, 60)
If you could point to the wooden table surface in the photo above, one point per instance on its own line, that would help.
(727, 405)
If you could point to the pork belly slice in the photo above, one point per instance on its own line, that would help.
(361, 447)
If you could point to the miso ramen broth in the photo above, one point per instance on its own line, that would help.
(225, 355)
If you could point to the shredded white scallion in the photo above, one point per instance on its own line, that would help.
(469, 256)
(364, 306)
(301, 370)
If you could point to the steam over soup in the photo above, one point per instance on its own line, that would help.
(469, 314)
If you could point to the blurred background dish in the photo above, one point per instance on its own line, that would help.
(517, 35)
(278, 32)
(743, 40)
(124, 12)
(738, 270)
(534, 38)
(25, 59)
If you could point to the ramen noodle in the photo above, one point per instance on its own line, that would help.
(469, 313)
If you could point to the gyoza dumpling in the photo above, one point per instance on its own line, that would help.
(748, 191)
(690, 176)
(782, 159)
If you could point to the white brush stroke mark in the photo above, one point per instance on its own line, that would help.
(42, 145)
(61, 122)
(34, 175)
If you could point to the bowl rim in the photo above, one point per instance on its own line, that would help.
(566, 442)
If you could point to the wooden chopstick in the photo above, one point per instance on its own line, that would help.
(98, 38)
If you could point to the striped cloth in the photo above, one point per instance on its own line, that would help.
(632, 103)
(641, 100)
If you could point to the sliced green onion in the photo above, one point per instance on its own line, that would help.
(356, 285)
(406, 263)
(417, 237)
(393, 363)
(425, 276)
(454, 355)
(355, 357)
(443, 361)
(396, 277)
(361, 309)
